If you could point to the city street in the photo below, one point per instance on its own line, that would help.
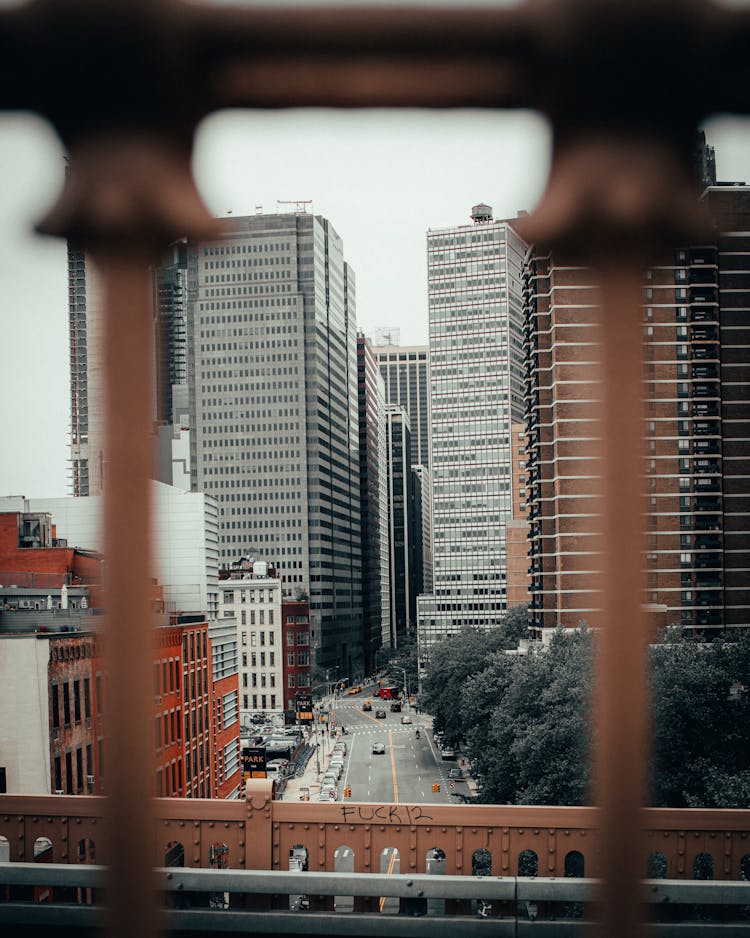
(404, 773)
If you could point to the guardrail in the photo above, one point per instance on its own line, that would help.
(207, 901)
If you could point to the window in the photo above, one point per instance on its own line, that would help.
(290, 638)
(244, 638)
(303, 638)
(291, 680)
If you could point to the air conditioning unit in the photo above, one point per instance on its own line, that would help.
(59, 791)
(90, 780)
(55, 735)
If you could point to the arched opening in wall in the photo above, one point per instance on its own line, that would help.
(86, 853)
(343, 862)
(434, 864)
(703, 866)
(575, 867)
(656, 867)
(528, 865)
(390, 864)
(43, 853)
(4, 858)
(481, 865)
(299, 863)
(174, 856)
(218, 859)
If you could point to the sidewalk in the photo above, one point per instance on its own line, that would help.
(310, 779)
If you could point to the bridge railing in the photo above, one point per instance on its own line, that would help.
(271, 902)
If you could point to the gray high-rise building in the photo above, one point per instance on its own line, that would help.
(406, 373)
(272, 372)
(477, 373)
(373, 474)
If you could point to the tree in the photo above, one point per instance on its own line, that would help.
(701, 720)
(534, 748)
(457, 659)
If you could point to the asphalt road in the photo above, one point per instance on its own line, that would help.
(407, 770)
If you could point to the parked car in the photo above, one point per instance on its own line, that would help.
(380, 714)
(340, 747)
(396, 706)
(448, 754)
(367, 706)
(378, 749)
(456, 774)
(406, 718)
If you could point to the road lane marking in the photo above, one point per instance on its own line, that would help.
(393, 766)
(389, 871)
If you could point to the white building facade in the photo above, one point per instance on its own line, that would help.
(476, 362)
(253, 601)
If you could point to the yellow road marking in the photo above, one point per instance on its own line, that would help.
(393, 766)
(391, 864)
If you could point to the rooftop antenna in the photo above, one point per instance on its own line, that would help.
(300, 205)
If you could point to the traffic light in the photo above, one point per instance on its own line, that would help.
(435, 786)
(347, 793)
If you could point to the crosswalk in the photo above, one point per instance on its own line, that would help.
(379, 730)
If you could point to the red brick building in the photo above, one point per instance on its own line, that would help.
(51, 593)
(295, 616)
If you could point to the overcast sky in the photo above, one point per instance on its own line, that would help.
(381, 177)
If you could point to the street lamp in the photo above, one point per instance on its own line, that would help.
(406, 682)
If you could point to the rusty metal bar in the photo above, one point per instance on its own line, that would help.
(622, 705)
(129, 633)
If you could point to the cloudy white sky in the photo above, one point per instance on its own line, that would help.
(381, 177)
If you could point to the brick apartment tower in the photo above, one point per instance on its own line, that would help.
(696, 395)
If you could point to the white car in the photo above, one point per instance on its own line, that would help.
(378, 749)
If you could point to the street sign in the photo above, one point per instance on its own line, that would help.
(332, 795)
(304, 708)
(254, 762)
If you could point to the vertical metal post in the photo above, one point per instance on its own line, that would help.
(129, 626)
(622, 706)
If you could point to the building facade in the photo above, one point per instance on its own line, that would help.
(477, 370)
(406, 374)
(405, 562)
(373, 474)
(251, 598)
(696, 462)
(295, 639)
(272, 373)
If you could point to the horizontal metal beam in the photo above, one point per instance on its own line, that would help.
(489, 888)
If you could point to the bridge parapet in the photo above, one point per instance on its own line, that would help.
(261, 834)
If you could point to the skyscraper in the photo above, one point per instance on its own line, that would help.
(697, 447)
(406, 373)
(272, 372)
(477, 368)
(373, 469)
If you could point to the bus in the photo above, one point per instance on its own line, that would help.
(389, 692)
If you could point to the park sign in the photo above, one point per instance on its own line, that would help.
(253, 763)
(305, 708)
